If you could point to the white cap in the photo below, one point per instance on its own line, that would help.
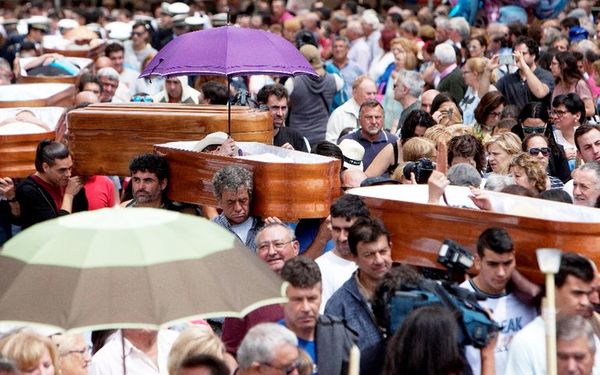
(216, 138)
(118, 30)
(178, 8)
(353, 154)
(68, 23)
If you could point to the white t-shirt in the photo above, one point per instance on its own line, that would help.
(527, 354)
(242, 229)
(108, 360)
(335, 271)
(508, 312)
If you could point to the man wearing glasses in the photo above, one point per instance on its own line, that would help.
(275, 244)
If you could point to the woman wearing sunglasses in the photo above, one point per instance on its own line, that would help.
(536, 145)
(534, 120)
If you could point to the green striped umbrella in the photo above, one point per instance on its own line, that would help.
(129, 268)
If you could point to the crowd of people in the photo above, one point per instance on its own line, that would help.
(509, 102)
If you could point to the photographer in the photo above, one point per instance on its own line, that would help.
(495, 262)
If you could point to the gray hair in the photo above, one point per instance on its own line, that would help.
(460, 25)
(64, 343)
(445, 53)
(340, 38)
(356, 27)
(261, 342)
(442, 22)
(552, 34)
(592, 166)
(464, 174)
(410, 27)
(413, 81)
(289, 230)
(232, 178)
(371, 19)
(497, 182)
(572, 327)
(109, 72)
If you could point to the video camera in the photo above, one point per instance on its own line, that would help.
(476, 328)
(422, 169)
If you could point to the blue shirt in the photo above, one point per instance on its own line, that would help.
(371, 148)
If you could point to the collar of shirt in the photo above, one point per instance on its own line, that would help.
(447, 71)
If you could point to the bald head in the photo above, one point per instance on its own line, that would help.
(102, 62)
(427, 99)
(352, 178)
(86, 97)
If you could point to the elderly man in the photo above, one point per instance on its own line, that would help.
(268, 348)
(346, 115)
(371, 27)
(427, 99)
(371, 249)
(371, 134)
(575, 346)
(573, 289)
(275, 97)
(459, 31)
(177, 90)
(276, 244)
(450, 76)
(233, 189)
(51, 191)
(586, 184)
(359, 52)
(109, 78)
(407, 90)
(149, 180)
(326, 339)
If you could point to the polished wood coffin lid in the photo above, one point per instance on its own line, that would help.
(418, 229)
(103, 138)
(304, 186)
(37, 95)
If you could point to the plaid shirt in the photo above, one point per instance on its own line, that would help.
(250, 238)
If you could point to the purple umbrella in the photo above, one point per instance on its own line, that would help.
(228, 51)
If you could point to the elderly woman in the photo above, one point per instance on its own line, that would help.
(568, 113)
(31, 352)
(73, 354)
(529, 173)
(487, 114)
(501, 148)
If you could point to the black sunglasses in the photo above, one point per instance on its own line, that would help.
(533, 129)
(536, 150)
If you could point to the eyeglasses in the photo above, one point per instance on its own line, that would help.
(536, 150)
(495, 114)
(287, 370)
(82, 352)
(533, 129)
(278, 245)
(138, 33)
(558, 113)
(142, 99)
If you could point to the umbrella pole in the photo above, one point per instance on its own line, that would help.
(123, 352)
(229, 105)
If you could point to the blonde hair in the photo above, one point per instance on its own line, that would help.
(64, 343)
(417, 148)
(509, 142)
(460, 129)
(27, 348)
(194, 340)
(534, 170)
(476, 64)
(438, 133)
(410, 49)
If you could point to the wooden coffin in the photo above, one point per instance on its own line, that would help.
(17, 151)
(71, 49)
(418, 229)
(105, 137)
(293, 185)
(37, 95)
(83, 63)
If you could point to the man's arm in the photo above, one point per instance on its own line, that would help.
(538, 88)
